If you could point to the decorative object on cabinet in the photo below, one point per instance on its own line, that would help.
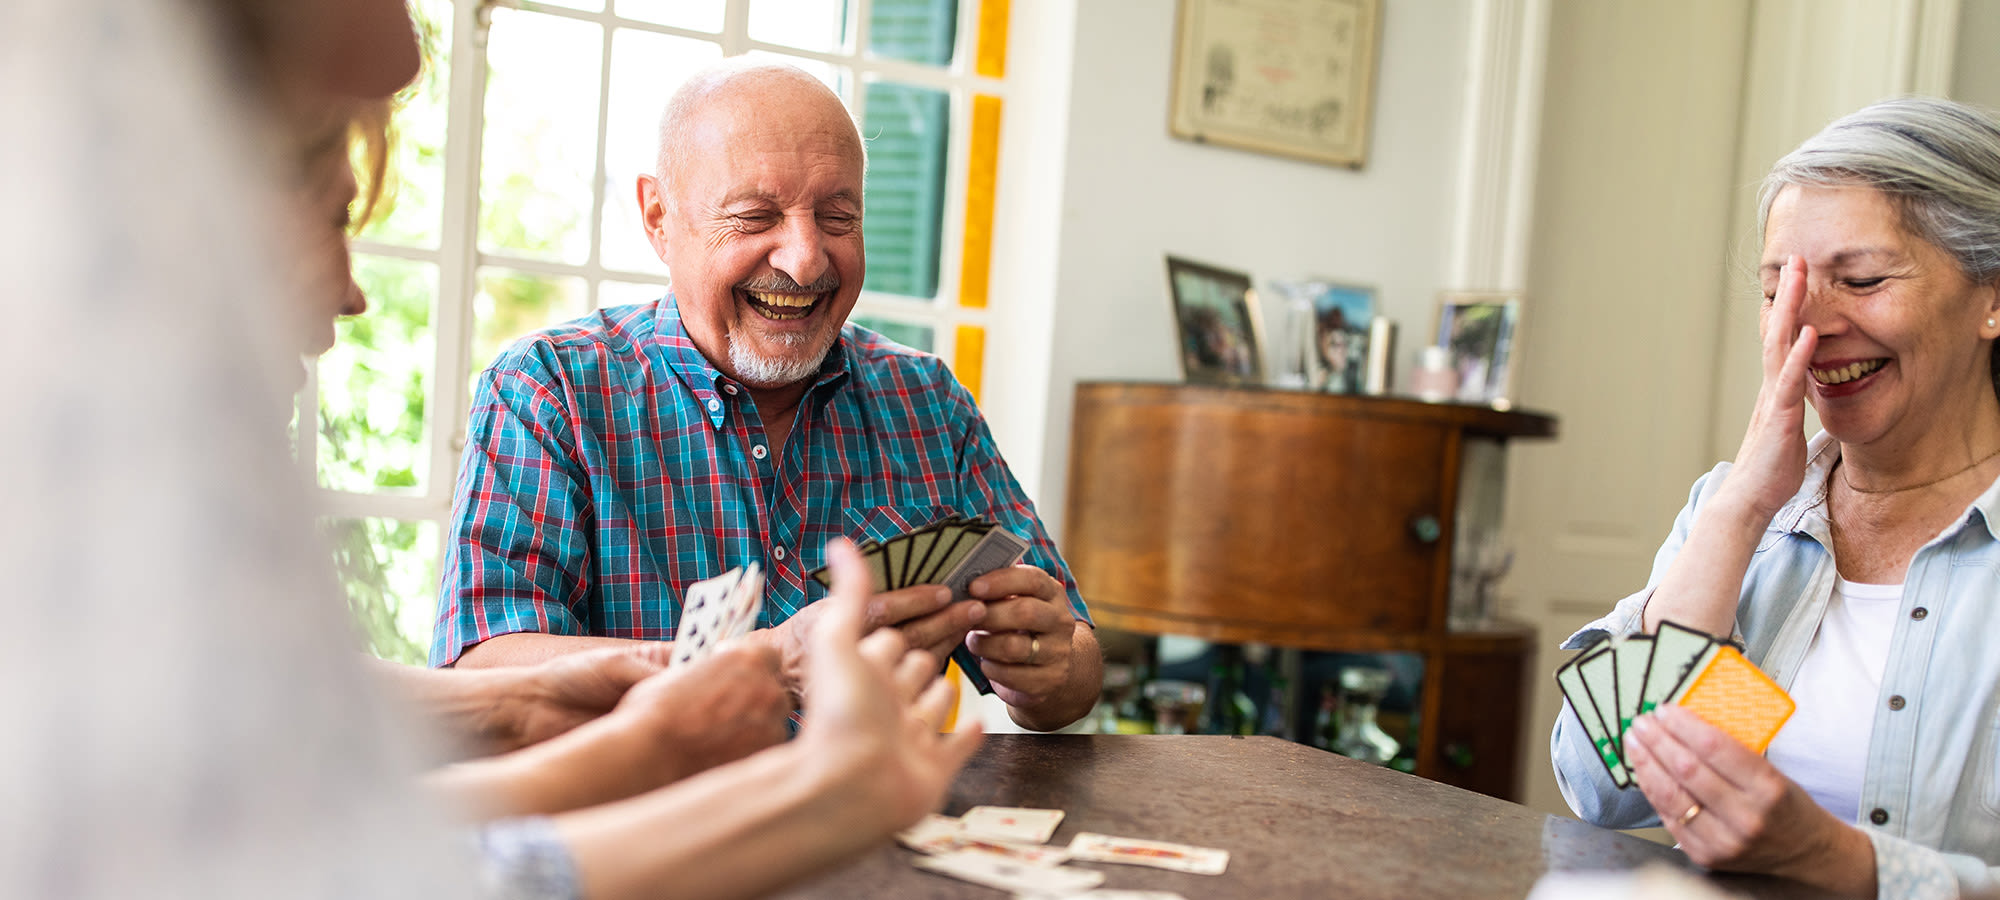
(1215, 311)
(1289, 77)
(1480, 331)
(1310, 521)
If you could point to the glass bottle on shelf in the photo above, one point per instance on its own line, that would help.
(1359, 736)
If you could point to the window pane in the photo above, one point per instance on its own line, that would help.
(411, 211)
(389, 568)
(646, 69)
(697, 15)
(626, 293)
(920, 31)
(373, 382)
(914, 336)
(907, 128)
(817, 25)
(511, 304)
(540, 151)
(588, 5)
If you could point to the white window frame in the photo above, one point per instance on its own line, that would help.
(458, 257)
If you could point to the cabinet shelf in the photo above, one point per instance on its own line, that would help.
(1312, 521)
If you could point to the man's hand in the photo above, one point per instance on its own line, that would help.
(1027, 646)
(925, 615)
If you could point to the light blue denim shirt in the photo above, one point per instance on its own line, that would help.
(1930, 797)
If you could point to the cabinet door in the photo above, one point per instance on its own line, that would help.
(1276, 521)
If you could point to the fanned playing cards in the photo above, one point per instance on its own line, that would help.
(716, 611)
(952, 553)
(1615, 681)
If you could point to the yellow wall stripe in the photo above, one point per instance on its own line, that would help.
(976, 262)
(969, 357)
(991, 61)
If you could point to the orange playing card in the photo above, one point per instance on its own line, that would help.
(1735, 696)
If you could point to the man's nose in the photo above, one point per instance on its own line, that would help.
(801, 250)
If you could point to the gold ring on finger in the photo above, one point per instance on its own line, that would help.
(1688, 816)
(1034, 647)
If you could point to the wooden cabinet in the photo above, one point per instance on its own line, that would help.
(1312, 521)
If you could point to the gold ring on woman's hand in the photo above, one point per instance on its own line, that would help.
(1688, 816)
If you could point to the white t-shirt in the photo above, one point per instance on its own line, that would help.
(1824, 746)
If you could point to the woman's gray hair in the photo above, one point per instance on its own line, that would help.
(1938, 161)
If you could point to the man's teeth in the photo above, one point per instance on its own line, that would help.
(1847, 372)
(783, 306)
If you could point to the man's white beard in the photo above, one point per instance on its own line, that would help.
(765, 372)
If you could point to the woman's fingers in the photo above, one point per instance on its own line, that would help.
(1782, 319)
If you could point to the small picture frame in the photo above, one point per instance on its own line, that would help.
(1215, 311)
(1341, 316)
(1479, 332)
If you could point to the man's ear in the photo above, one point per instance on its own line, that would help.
(653, 214)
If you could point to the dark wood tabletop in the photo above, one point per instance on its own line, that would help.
(1297, 822)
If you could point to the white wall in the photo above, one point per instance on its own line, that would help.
(1133, 194)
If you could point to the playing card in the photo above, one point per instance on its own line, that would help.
(1570, 679)
(1008, 823)
(921, 542)
(937, 835)
(716, 611)
(998, 549)
(895, 553)
(1108, 894)
(1633, 654)
(1599, 669)
(948, 534)
(1676, 652)
(1010, 875)
(1735, 696)
(1090, 847)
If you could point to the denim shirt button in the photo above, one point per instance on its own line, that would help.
(1896, 702)
(1919, 613)
(1879, 816)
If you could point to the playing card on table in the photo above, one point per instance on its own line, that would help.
(717, 610)
(1570, 679)
(1089, 847)
(937, 835)
(1011, 875)
(1007, 823)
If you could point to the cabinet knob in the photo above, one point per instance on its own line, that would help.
(1426, 528)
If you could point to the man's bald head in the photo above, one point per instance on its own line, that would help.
(735, 92)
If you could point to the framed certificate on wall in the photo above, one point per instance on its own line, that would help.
(1289, 77)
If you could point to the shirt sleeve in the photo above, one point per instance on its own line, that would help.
(1581, 777)
(986, 485)
(518, 555)
(524, 859)
(1909, 871)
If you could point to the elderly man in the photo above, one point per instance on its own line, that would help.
(616, 460)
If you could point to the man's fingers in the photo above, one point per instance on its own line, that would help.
(1020, 580)
(946, 627)
(1023, 613)
(934, 703)
(1008, 646)
(917, 669)
(847, 600)
(884, 648)
(899, 606)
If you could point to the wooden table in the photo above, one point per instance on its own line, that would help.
(1297, 822)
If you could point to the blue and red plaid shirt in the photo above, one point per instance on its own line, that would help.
(609, 466)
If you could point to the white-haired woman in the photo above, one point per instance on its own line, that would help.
(1861, 568)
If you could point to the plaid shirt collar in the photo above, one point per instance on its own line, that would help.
(709, 384)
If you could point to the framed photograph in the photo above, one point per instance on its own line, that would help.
(1289, 77)
(1216, 313)
(1479, 332)
(1341, 313)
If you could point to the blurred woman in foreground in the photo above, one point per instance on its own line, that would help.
(186, 716)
